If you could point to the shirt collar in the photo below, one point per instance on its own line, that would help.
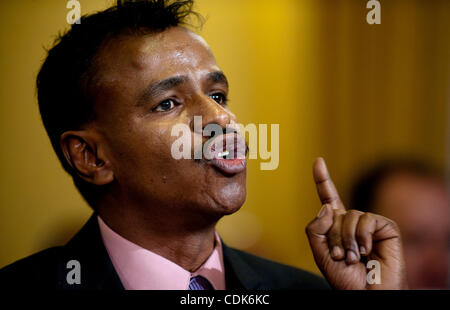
(141, 269)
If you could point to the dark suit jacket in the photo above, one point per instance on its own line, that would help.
(48, 269)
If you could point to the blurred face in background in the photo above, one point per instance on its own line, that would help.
(421, 208)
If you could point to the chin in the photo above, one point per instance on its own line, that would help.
(223, 194)
(229, 198)
(230, 208)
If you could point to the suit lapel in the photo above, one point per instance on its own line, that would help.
(239, 274)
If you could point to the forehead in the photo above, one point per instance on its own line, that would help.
(413, 199)
(176, 50)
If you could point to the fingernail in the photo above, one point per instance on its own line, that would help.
(362, 250)
(336, 251)
(322, 211)
(351, 256)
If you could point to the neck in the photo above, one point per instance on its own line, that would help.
(180, 239)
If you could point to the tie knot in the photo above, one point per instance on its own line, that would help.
(200, 283)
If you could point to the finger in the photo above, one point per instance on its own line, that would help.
(349, 225)
(335, 238)
(317, 234)
(325, 187)
(384, 228)
(323, 222)
(366, 227)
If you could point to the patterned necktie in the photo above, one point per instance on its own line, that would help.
(200, 283)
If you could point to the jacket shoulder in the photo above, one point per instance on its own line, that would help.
(35, 270)
(276, 275)
(84, 254)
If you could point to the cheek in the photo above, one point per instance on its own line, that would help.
(140, 151)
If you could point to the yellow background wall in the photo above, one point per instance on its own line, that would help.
(338, 87)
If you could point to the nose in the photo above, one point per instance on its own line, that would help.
(211, 112)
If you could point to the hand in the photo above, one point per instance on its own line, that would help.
(342, 241)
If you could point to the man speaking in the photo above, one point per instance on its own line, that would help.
(110, 91)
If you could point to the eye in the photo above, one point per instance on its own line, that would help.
(219, 98)
(165, 105)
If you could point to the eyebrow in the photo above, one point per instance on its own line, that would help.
(157, 88)
(217, 77)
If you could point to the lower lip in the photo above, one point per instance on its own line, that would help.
(229, 166)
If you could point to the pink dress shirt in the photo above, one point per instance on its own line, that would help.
(141, 269)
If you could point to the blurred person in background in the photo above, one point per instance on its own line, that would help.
(413, 194)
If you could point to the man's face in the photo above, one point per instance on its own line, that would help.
(147, 84)
(421, 208)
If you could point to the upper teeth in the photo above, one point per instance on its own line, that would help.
(223, 154)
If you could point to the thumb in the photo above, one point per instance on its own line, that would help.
(317, 233)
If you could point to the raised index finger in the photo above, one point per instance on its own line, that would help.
(325, 187)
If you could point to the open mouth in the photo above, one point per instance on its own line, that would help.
(227, 153)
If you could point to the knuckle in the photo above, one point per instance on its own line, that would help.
(353, 212)
(392, 225)
(389, 223)
(369, 215)
(310, 227)
(339, 213)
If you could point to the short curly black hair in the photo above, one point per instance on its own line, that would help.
(63, 80)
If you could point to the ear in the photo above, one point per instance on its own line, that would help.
(81, 151)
